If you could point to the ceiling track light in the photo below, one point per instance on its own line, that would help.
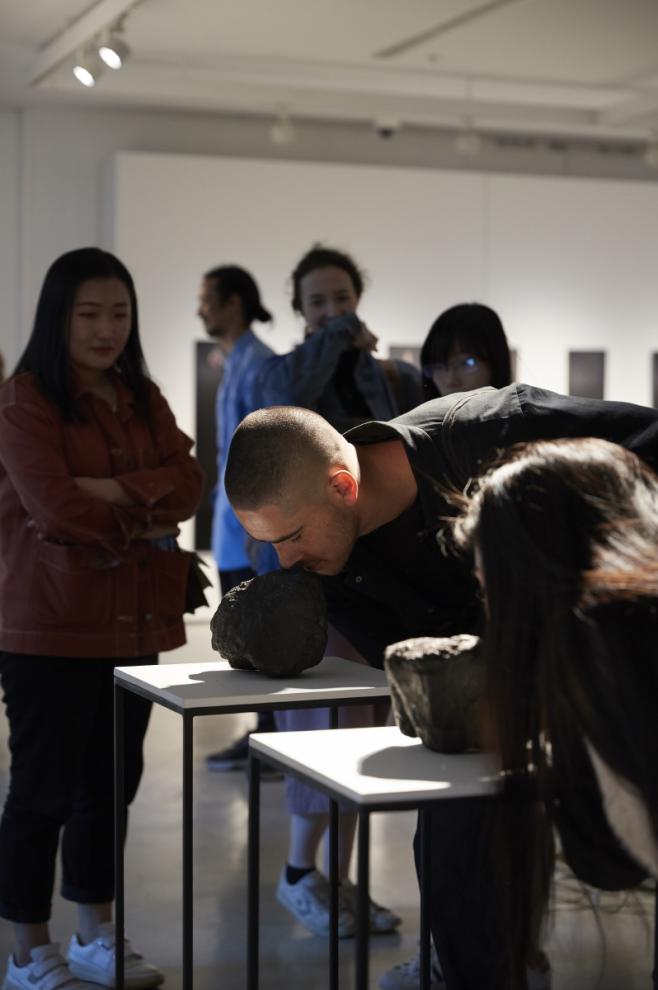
(651, 154)
(468, 142)
(113, 48)
(283, 131)
(88, 66)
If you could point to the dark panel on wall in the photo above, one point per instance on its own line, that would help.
(208, 374)
(586, 373)
(405, 352)
(655, 380)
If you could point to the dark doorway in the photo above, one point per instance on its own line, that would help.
(208, 364)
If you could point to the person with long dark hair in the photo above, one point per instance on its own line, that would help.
(95, 477)
(565, 536)
(465, 348)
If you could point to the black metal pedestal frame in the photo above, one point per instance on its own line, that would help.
(363, 852)
(287, 703)
(362, 941)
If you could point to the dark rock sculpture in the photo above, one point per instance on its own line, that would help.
(436, 685)
(276, 624)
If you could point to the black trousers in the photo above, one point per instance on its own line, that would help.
(61, 742)
(464, 914)
(466, 918)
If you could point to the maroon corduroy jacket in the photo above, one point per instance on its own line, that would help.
(75, 578)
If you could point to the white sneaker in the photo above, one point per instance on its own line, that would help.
(406, 975)
(382, 919)
(308, 901)
(48, 970)
(96, 962)
(540, 978)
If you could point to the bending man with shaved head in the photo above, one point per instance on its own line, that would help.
(364, 511)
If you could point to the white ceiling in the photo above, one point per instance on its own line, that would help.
(584, 68)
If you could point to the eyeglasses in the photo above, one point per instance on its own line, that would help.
(464, 363)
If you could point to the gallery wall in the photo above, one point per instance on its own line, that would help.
(52, 160)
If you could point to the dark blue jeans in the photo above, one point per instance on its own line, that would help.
(61, 742)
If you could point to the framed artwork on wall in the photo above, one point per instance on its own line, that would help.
(587, 374)
(405, 352)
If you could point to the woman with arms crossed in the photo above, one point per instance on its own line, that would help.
(94, 478)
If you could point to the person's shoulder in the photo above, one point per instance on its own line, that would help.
(22, 389)
(259, 348)
(406, 369)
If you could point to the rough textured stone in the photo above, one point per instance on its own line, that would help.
(276, 624)
(436, 685)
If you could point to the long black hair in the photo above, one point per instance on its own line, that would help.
(566, 535)
(46, 355)
(231, 280)
(473, 328)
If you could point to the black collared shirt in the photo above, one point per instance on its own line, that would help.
(398, 582)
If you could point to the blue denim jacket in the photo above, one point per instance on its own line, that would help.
(305, 376)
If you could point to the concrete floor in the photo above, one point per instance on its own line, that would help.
(610, 950)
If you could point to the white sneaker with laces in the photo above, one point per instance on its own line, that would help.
(382, 919)
(47, 970)
(308, 901)
(406, 975)
(540, 978)
(96, 962)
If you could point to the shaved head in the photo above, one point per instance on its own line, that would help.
(282, 456)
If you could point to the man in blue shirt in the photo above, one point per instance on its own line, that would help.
(229, 302)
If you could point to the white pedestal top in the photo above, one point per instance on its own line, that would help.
(379, 765)
(196, 686)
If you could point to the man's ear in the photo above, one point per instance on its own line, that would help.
(343, 484)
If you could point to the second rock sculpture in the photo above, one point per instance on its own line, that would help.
(436, 685)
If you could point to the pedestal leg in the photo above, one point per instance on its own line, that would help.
(253, 869)
(333, 876)
(119, 829)
(333, 895)
(424, 820)
(188, 854)
(655, 941)
(363, 902)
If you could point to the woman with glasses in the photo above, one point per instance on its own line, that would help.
(466, 348)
